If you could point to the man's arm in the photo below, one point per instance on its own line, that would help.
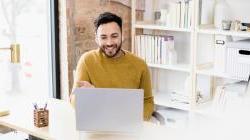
(81, 73)
(81, 78)
(148, 98)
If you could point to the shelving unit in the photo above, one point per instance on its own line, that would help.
(189, 43)
(217, 78)
(152, 26)
(209, 29)
(162, 94)
(164, 99)
(212, 72)
(176, 67)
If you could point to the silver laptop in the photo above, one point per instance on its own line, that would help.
(109, 110)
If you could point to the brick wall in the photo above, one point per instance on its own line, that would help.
(80, 15)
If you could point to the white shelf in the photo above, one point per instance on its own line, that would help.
(164, 99)
(151, 26)
(208, 109)
(176, 67)
(212, 72)
(183, 34)
(209, 29)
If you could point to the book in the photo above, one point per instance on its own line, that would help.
(164, 50)
(190, 13)
(178, 14)
(182, 13)
(186, 14)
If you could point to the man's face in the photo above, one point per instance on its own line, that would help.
(109, 39)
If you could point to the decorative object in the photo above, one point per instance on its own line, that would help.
(235, 25)
(206, 11)
(164, 16)
(157, 17)
(221, 12)
(226, 24)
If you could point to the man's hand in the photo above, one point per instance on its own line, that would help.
(85, 84)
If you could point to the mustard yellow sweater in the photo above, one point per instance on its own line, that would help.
(127, 71)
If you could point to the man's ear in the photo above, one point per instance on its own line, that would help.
(123, 38)
(96, 39)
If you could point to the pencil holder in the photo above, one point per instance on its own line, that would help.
(41, 117)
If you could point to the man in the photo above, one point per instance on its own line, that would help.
(110, 66)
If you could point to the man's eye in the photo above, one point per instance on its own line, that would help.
(103, 38)
(114, 36)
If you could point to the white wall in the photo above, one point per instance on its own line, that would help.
(238, 9)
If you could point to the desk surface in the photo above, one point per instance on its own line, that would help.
(62, 122)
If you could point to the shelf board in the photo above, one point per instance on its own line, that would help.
(209, 29)
(203, 108)
(152, 26)
(208, 109)
(176, 67)
(212, 72)
(164, 99)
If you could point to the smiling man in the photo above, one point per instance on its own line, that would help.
(110, 66)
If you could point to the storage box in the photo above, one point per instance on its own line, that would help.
(220, 52)
(238, 59)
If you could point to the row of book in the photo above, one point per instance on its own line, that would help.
(179, 14)
(154, 49)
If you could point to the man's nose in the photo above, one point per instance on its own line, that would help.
(109, 41)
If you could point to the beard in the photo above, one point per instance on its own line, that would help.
(111, 50)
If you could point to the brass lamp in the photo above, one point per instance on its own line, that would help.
(15, 52)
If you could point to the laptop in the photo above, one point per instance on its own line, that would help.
(109, 110)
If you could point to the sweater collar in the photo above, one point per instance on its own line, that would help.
(124, 54)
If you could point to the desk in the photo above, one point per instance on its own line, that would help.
(62, 122)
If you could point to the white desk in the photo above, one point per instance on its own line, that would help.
(21, 118)
(62, 122)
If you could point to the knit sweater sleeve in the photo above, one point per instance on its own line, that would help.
(81, 74)
(148, 98)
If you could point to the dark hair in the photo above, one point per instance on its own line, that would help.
(107, 17)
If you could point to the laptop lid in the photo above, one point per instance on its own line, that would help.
(109, 109)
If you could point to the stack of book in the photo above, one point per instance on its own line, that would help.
(154, 49)
(179, 14)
